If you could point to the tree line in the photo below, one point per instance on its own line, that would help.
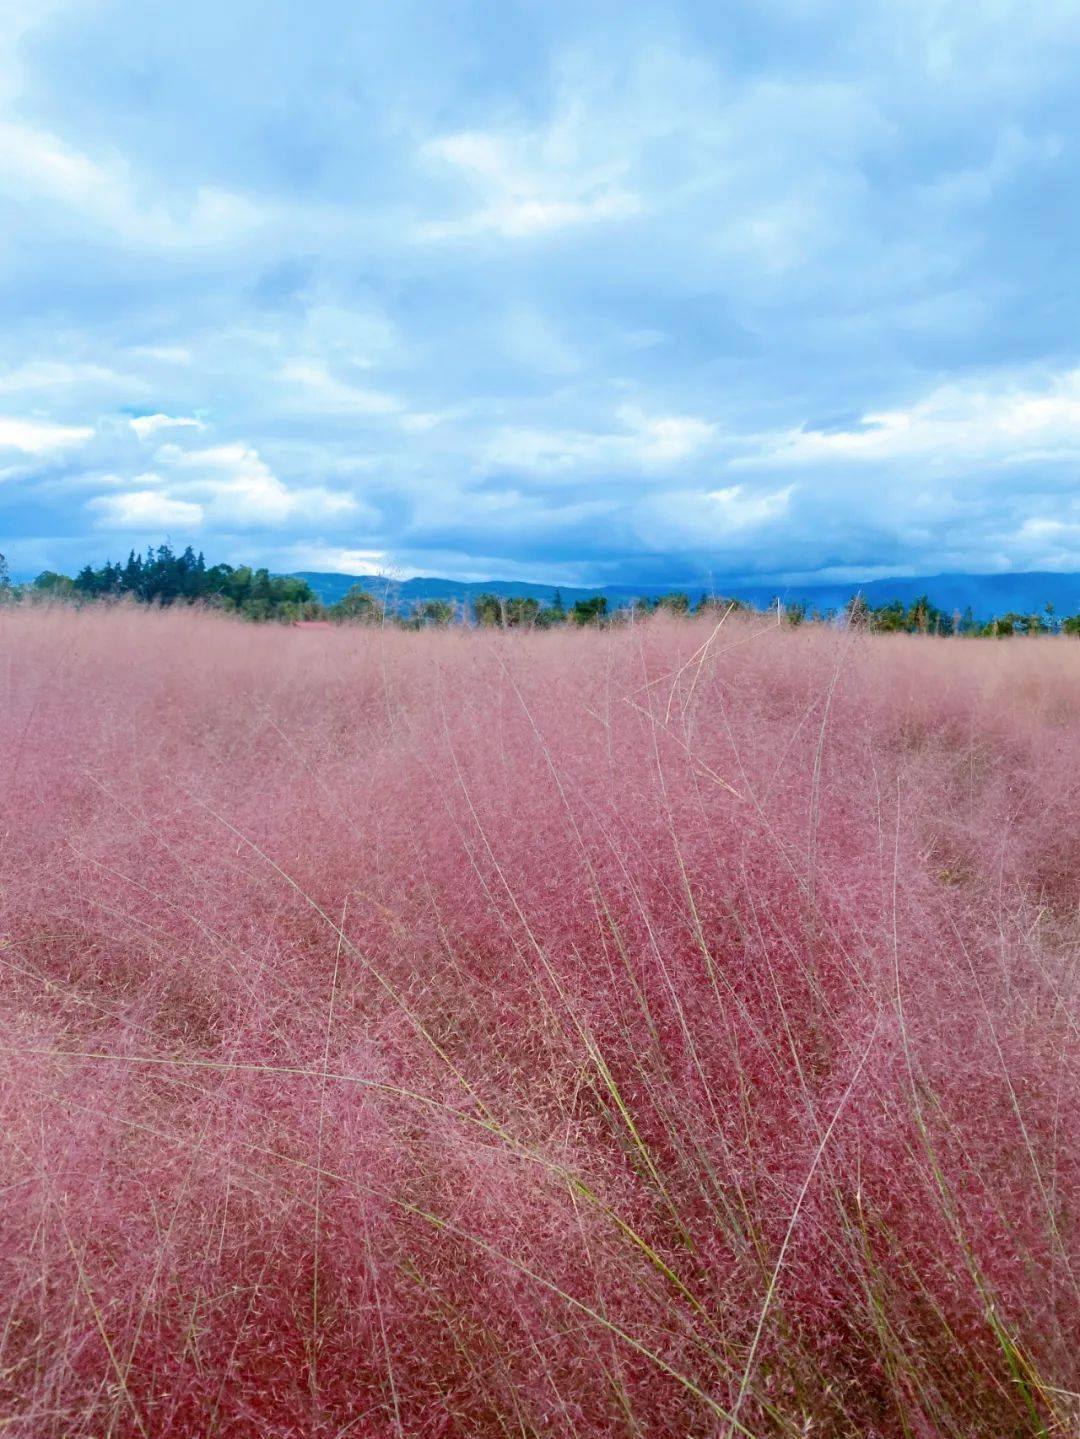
(163, 577)
(923, 617)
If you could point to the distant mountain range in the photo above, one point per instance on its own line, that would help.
(986, 595)
(1024, 592)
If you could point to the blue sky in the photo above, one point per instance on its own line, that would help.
(573, 291)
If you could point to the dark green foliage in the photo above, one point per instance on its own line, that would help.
(516, 612)
(858, 613)
(718, 605)
(550, 618)
(488, 609)
(50, 582)
(591, 611)
(436, 612)
(165, 578)
(927, 619)
(1016, 624)
(676, 603)
(428, 614)
(259, 595)
(522, 613)
(357, 606)
(920, 617)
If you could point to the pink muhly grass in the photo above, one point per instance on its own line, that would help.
(654, 1031)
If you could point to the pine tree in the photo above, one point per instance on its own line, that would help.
(132, 582)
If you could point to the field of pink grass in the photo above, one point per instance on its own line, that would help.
(668, 1030)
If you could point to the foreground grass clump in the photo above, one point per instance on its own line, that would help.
(661, 1031)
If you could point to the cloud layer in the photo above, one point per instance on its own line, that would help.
(581, 291)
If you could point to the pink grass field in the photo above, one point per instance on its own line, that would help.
(656, 1031)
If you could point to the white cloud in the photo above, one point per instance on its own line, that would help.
(323, 390)
(664, 440)
(226, 486)
(998, 422)
(735, 508)
(46, 167)
(147, 425)
(527, 183)
(143, 510)
(509, 512)
(60, 374)
(520, 216)
(313, 388)
(166, 354)
(771, 239)
(422, 420)
(336, 559)
(38, 437)
(690, 519)
(235, 486)
(646, 442)
(1040, 529)
(104, 193)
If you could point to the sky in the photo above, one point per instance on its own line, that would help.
(590, 292)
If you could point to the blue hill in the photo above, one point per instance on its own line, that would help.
(986, 595)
